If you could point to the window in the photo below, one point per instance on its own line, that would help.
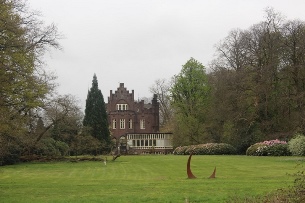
(130, 124)
(122, 123)
(122, 107)
(142, 124)
(114, 123)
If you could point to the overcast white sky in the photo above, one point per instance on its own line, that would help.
(138, 41)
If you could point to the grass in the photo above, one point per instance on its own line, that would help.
(146, 179)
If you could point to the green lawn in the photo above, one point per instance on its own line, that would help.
(159, 178)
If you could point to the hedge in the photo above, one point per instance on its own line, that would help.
(206, 149)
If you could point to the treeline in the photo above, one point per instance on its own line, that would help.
(254, 91)
(34, 119)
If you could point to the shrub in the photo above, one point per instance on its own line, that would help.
(9, 154)
(278, 150)
(206, 149)
(51, 147)
(269, 148)
(257, 149)
(297, 145)
(180, 150)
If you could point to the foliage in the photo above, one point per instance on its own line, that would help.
(51, 147)
(96, 117)
(297, 193)
(190, 97)
(181, 150)
(254, 91)
(85, 144)
(206, 149)
(278, 150)
(297, 145)
(257, 83)
(9, 151)
(64, 119)
(257, 149)
(269, 148)
(24, 84)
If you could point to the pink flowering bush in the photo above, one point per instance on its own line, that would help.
(269, 148)
(273, 142)
(206, 149)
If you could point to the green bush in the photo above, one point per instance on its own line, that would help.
(278, 150)
(62, 147)
(51, 147)
(206, 149)
(9, 154)
(257, 149)
(297, 145)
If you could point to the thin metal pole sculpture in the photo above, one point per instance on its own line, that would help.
(190, 175)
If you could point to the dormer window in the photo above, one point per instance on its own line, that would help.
(121, 107)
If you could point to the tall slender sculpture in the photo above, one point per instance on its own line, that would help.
(190, 175)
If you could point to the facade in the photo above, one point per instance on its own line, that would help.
(134, 124)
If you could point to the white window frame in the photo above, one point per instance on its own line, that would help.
(122, 107)
(142, 124)
(114, 124)
(130, 123)
(122, 123)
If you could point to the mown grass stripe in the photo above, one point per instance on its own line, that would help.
(146, 179)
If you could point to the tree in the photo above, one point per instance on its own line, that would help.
(63, 117)
(24, 84)
(190, 95)
(293, 75)
(95, 113)
(258, 84)
(162, 89)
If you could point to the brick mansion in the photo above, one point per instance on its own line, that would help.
(135, 125)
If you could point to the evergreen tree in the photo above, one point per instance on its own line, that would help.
(95, 114)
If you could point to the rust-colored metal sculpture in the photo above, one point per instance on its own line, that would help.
(190, 175)
(213, 174)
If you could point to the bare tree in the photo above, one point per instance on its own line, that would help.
(60, 109)
(161, 88)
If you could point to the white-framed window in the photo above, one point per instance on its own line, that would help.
(122, 123)
(130, 123)
(142, 124)
(122, 107)
(114, 124)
